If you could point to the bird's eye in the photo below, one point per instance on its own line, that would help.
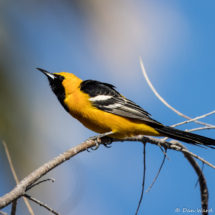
(62, 78)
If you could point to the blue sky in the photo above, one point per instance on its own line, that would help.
(103, 41)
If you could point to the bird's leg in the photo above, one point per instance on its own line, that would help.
(96, 138)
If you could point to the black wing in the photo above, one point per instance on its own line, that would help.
(104, 97)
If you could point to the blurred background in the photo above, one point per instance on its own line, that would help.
(102, 40)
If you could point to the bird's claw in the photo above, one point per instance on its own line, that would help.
(97, 141)
(106, 144)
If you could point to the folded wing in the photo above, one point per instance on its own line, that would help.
(104, 97)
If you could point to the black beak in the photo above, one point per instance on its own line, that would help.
(48, 74)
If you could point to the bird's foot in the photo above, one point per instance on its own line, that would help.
(97, 140)
(107, 145)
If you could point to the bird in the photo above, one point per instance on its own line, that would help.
(102, 109)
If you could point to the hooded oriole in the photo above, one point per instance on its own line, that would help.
(99, 107)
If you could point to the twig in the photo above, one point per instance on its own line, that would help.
(202, 172)
(194, 119)
(157, 173)
(13, 210)
(196, 156)
(169, 106)
(15, 176)
(201, 128)
(3, 213)
(144, 175)
(49, 179)
(41, 204)
(10, 162)
(164, 152)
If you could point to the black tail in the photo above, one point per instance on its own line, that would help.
(186, 136)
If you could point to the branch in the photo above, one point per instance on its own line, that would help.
(41, 204)
(157, 173)
(10, 162)
(19, 190)
(202, 173)
(169, 106)
(201, 128)
(13, 210)
(164, 152)
(144, 175)
(17, 181)
(33, 185)
(3, 213)
(198, 117)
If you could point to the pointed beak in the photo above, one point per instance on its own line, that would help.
(48, 74)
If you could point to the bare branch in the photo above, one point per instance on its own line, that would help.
(194, 119)
(3, 213)
(157, 173)
(164, 152)
(144, 176)
(15, 177)
(41, 204)
(19, 190)
(169, 106)
(10, 162)
(201, 128)
(13, 210)
(196, 156)
(202, 173)
(33, 185)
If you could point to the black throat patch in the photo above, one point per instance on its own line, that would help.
(58, 89)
